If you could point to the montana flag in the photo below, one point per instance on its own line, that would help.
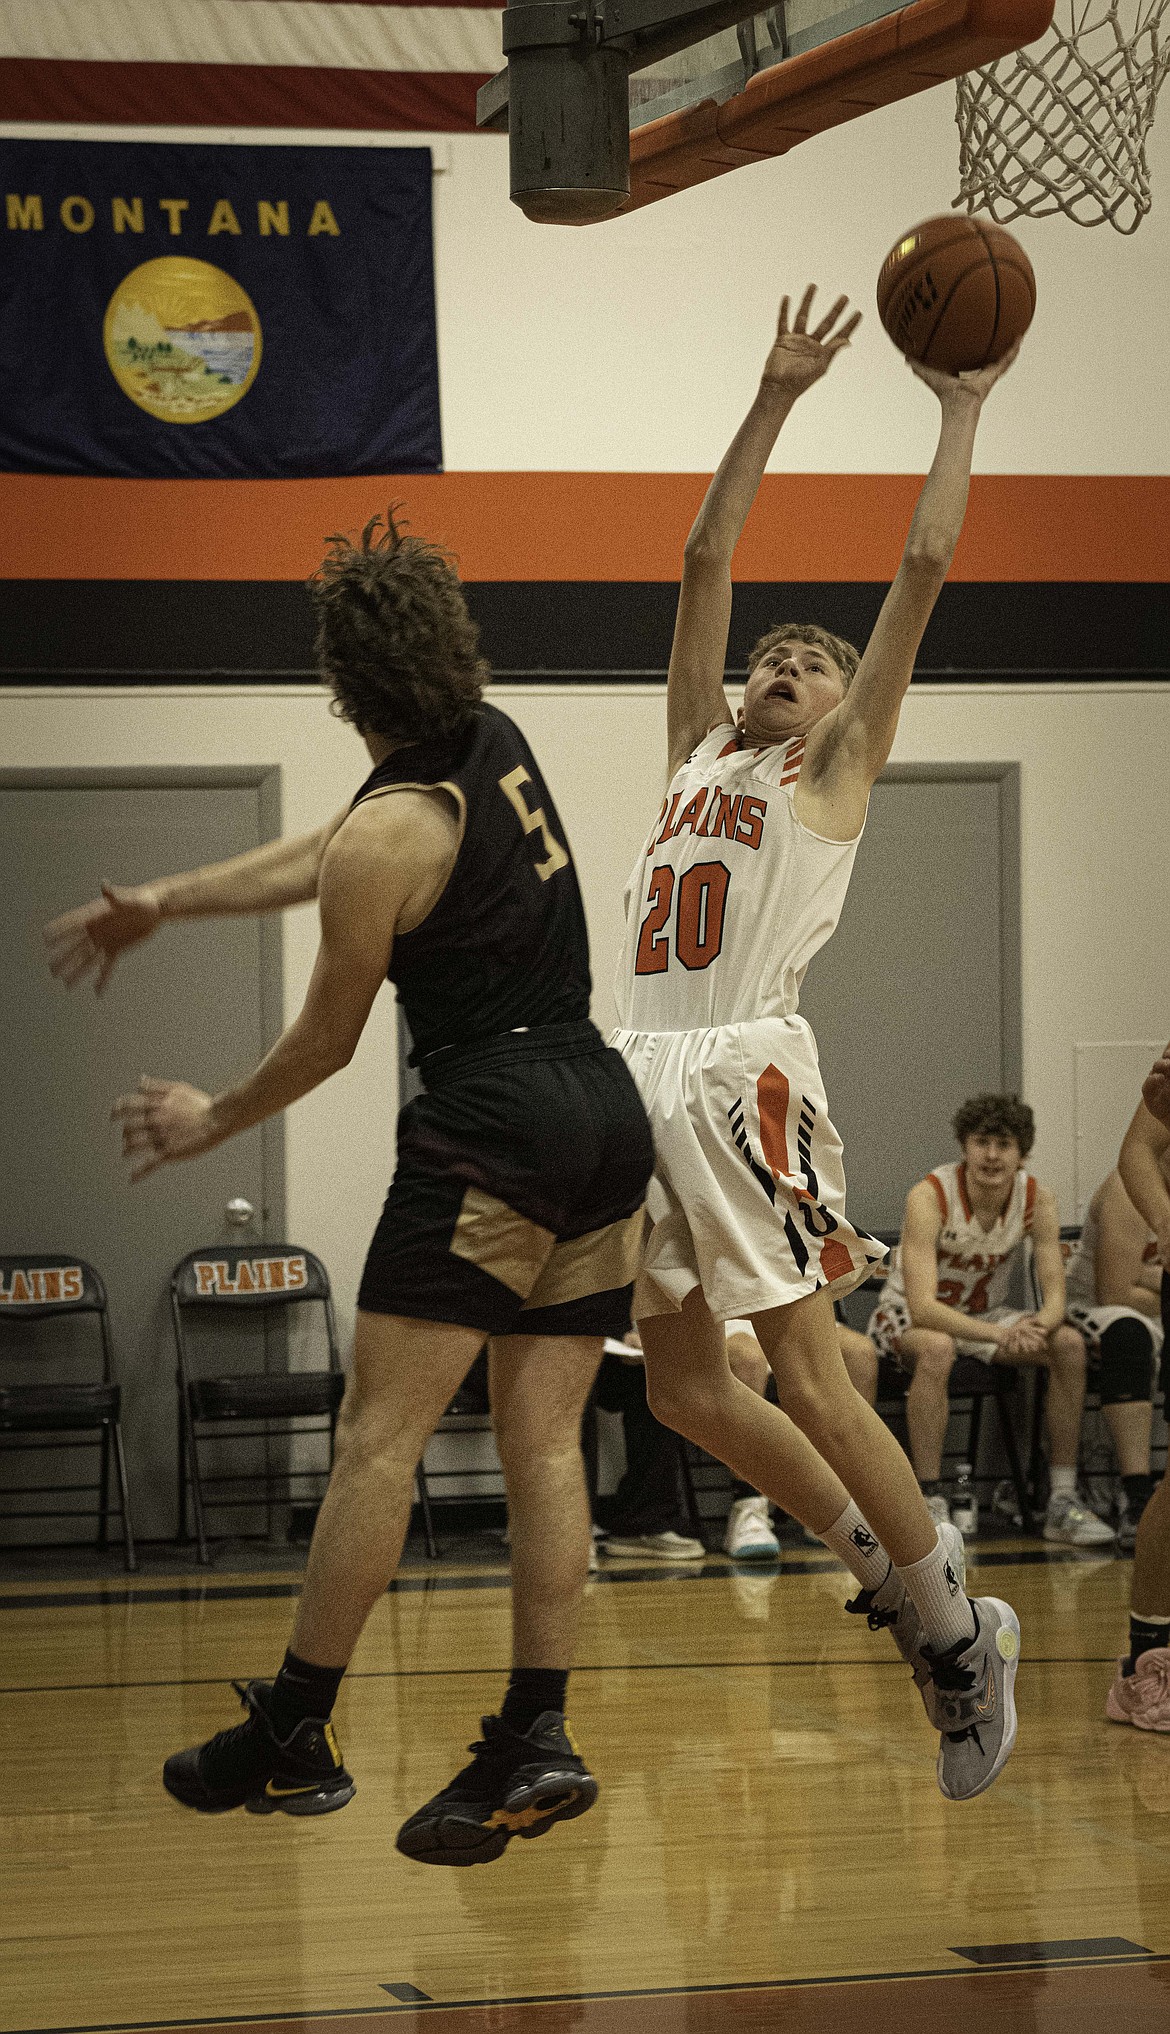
(180, 310)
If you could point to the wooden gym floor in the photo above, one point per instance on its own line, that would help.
(769, 1850)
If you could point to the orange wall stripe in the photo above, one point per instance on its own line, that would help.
(578, 526)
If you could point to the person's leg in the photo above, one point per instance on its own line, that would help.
(1140, 1693)
(691, 1388)
(1125, 1350)
(800, 1342)
(1066, 1518)
(748, 1534)
(405, 1373)
(648, 1502)
(539, 1386)
(860, 1358)
(526, 1773)
(931, 1358)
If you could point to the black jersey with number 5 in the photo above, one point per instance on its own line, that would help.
(506, 944)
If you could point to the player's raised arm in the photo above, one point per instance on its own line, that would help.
(850, 747)
(695, 699)
(92, 939)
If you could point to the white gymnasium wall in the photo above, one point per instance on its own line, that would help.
(635, 345)
(1096, 965)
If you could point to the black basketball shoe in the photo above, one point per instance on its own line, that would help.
(250, 1767)
(515, 1786)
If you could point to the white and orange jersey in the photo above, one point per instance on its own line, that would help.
(974, 1263)
(731, 896)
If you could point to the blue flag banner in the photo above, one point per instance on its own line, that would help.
(190, 311)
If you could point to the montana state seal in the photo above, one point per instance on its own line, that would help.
(182, 339)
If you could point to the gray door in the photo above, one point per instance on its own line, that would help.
(915, 1001)
(199, 1002)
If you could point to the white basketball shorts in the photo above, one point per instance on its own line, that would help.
(1093, 1321)
(890, 1320)
(748, 1195)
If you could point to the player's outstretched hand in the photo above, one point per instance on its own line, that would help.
(92, 940)
(1156, 1090)
(976, 382)
(800, 357)
(162, 1122)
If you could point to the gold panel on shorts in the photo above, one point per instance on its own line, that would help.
(601, 1261)
(493, 1237)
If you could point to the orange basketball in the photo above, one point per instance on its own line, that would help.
(956, 293)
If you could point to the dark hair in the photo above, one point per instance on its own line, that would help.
(844, 656)
(996, 1116)
(395, 642)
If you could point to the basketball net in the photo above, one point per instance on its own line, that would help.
(1062, 126)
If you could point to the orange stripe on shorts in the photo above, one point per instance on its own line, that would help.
(772, 1104)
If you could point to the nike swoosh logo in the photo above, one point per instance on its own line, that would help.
(986, 1706)
(276, 1793)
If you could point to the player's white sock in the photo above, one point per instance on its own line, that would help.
(937, 1594)
(854, 1543)
(1062, 1482)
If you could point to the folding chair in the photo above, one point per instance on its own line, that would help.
(272, 1403)
(60, 1414)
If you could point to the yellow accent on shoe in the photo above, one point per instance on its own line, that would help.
(523, 1818)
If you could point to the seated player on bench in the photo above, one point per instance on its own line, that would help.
(946, 1296)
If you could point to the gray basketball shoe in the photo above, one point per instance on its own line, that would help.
(891, 1608)
(974, 1696)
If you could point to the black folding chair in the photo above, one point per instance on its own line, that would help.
(60, 1413)
(270, 1403)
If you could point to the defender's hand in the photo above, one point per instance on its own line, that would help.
(975, 384)
(91, 941)
(800, 357)
(162, 1122)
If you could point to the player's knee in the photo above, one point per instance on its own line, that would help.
(1126, 1371)
(934, 1356)
(1067, 1355)
(825, 1412)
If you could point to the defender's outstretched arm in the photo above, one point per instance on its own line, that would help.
(695, 699)
(91, 940)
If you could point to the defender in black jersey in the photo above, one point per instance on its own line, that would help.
(515, 1212)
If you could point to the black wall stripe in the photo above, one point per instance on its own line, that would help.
(87, 631)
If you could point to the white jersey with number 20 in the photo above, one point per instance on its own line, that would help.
(731, 897)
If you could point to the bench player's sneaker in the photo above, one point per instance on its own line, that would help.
(251, 1767)
(516, 1785)
(1142, 1697)
(749, 1535)
(974, 1697)
(891, 1608)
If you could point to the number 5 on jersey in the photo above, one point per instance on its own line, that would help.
(556, 856)
(699, 900)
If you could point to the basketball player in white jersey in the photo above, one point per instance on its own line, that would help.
(947, 1295)
(1140, 1694)
(741, 880)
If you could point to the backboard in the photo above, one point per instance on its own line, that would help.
(742, 90)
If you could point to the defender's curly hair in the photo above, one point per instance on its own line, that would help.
(844, 656)
(996, 1116)
(395, 643)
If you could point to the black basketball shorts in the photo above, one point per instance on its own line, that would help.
(517, 1202)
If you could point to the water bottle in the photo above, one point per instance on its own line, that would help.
(964, 1503)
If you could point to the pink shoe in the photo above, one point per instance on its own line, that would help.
(1143, 1697)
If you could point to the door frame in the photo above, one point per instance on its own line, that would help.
(1007, 776)
(265, 779)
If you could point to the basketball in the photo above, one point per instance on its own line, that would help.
(956, 293)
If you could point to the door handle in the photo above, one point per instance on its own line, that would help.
(239, 1212)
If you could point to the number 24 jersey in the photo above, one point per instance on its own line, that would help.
(731, 896)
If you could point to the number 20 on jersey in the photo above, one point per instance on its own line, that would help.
(685, 912)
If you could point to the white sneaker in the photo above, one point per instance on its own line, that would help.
(749, 1535)
(1070, 1521)
(974, 1694)
(939, 1509)
(654, 1547)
